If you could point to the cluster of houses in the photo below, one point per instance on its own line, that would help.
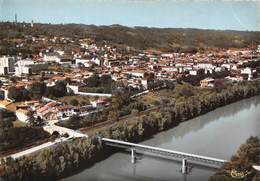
(133, 69)
(47, 109)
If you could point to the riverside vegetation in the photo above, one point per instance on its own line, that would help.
(67, 157)
(240, 165)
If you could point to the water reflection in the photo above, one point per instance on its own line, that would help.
(249, 107)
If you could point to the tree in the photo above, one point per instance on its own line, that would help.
(5, 123)
(184, 90)
(113, 116)
(13, 79)
(37, 89)
(35, 122)
(13, 93)
(92, 81)
(105, 80)
(59, 90)
(17, 94)
(74, 102)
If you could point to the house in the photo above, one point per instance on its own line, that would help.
(114, 62)
(98, 103)
(49, 114)
(75, 87)
(85, 62)
(193, 72)
(227, 66)
(42, 111)
(167, 56)
(144, 83)
(234, 79)
(208, 82)
(97, 61)
(248, 73)
(136, 73)
(54, 57)
(65, 111)
(169, 68)
(23, 115)
(65, 60)
(205, 66)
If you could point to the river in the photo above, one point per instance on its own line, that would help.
(216, 134)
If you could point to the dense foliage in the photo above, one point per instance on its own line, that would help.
(13, 138)
(6, 118)
(48, 164)
(240, 165)
(37, 90)
(16, 137)
(96, 84)
(173, 111)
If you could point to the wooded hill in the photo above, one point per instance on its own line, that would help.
(165, 39)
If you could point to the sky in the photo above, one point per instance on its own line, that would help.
(205, 14)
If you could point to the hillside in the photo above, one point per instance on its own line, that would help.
(165, 39)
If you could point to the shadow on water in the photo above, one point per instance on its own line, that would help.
(177, 161)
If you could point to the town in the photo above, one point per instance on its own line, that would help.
(62, 88)
(57, 84)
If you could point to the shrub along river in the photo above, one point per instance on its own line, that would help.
(216, 134)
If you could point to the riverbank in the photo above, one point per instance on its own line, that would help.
(240, 165)
(68, 157)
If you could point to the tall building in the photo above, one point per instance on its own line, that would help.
(7, 65)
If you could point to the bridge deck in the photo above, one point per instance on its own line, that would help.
(164, 152)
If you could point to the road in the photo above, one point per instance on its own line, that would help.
(49, 128)
(36, 148)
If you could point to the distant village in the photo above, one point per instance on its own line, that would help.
(136, 70)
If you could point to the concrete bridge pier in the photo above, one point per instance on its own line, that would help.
(133, 158)
(184, 168)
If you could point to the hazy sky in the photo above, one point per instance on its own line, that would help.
(207, 14)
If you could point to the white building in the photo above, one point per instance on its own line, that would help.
(7, 65)
(248, 72)
(97, 61)
(23, 115)
(84, 62)
(136, 73)
(193, 72)
(65, 111)
(205, 66)
(28, 66)
(167, 56)
(51, 58)
(65, 60)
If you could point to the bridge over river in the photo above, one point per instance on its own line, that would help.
(164, 153)
(217, 134)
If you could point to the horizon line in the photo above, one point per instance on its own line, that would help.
(127, 26)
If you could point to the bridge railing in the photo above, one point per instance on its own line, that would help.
(164, 152)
